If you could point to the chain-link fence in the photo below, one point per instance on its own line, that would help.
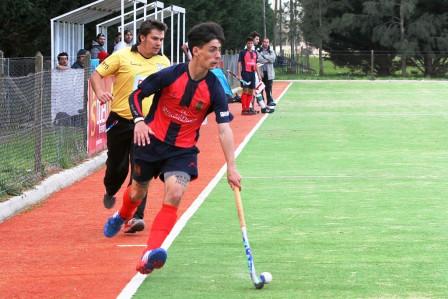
(17, 67)
(43, 123)
(370, 64)
(43, 115)
(230, 62)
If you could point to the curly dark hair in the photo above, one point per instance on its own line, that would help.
(203, 33)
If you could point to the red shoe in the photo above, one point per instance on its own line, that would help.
(151, 259)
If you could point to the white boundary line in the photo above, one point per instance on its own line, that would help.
(133, 285)
(365, 81)
(363, 177)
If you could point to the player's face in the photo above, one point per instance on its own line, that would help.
(250, 45)
(256, 40)
(152, 43)
(209, 54)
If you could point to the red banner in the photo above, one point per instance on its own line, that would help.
(97, 116)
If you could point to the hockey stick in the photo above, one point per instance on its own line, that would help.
(258, 281)
(111, 125)
(236, 77)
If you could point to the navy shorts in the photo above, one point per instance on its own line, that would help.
(248, 77)
(156, 158)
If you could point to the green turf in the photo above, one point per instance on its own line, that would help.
(331, 71)
(62, 147)
(345, 192)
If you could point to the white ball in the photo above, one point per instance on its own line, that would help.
(266, 277)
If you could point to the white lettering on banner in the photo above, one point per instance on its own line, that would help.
(101, 113)
(102, 128)
(224, 113)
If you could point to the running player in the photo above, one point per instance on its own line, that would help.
(130, 66)
(165, 140)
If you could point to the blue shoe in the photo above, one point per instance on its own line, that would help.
(113, 225)
(151, 259)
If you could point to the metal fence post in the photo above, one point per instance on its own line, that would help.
(3, 89)
(372, 61)
(2, 64)
(38, 102)
(87, 71)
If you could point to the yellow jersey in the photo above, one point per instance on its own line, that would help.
(129, 69)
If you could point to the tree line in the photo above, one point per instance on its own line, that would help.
(404, 32)
(25, 27)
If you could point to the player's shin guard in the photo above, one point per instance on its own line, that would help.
(128, 207)
(260, 101)
(162, 225)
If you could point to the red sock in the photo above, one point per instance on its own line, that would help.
(163, 223)
(128, 208)
(245, 101)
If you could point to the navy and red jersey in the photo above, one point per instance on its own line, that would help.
(180, 104)
(248, 61)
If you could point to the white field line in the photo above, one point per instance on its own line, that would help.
(132, 286)
(367, 81)
(388, 114)
(363, 177)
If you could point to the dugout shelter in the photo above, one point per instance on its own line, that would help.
(67, 30)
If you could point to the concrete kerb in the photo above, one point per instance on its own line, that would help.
(50, 185)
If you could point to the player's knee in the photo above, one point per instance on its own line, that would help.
(176, 183)
(174, 197)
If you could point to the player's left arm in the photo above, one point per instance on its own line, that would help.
(228, 148)
(223, 118)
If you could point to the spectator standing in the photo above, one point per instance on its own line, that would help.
(98, 45)
(256, 38)
(126, 43)
(266, 56)
(62, 61)
(80, 59)
(130, 66)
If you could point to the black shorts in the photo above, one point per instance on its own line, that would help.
(156, 158)
(248, 77)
